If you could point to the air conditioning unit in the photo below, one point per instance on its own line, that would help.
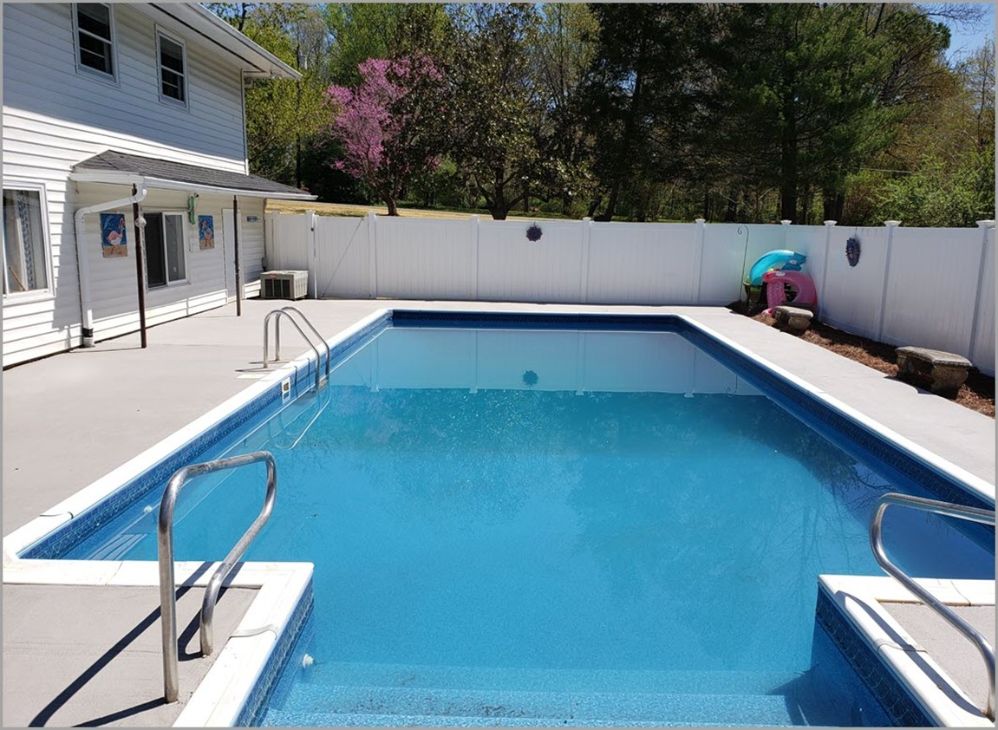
(283, 285)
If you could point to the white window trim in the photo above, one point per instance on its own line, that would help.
(87, 70)
(186, 103)
(166, 263)
(32, 295)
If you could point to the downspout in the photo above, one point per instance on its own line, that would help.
(82, 263)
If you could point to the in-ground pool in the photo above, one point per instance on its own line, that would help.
(557, 521)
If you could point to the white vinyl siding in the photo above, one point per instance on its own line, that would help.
(251, 244)
(55, 115)
(64, 116)
(113, 288)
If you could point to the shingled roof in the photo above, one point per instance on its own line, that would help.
(113, 161)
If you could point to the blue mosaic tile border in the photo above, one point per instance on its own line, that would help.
(895, 699)
(856, 439)
(63, 538)
(532, 320)
(256, 704)
(58, 542)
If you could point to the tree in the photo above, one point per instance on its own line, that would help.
(640, 95)
(560, 57)
(283, 117)
(384, 30)
(390, 124)
(498, 121)
(978, 76)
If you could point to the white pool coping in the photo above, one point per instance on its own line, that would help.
(219, 698)
(859, 597)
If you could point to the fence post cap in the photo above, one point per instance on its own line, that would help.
(699, 221)
(892, 224)
(986, 224)
(785, 222)
(830, 223)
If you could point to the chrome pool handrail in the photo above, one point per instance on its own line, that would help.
(308, 323)
(948, 509)
(277, 313)
(167, 589)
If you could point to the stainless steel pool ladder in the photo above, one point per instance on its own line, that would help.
(290, 313)
(948, 509)
(167, 589)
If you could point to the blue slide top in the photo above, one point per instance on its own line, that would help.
(779, 260)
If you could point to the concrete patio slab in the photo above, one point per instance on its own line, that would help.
(957, 656)
(92, 655)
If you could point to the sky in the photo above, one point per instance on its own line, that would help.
(966, 39)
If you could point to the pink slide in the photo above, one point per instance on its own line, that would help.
(776, 295)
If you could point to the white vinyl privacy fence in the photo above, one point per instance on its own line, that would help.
(932, 287)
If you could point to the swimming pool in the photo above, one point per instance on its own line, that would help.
(540, 520)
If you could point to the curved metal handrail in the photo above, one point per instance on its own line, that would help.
(277, 341)
(308, 323)
(167, 589)
(948, 509)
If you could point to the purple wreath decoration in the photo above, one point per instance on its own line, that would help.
(534, 233)
(853, 250)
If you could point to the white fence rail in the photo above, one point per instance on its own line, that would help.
(932, 287)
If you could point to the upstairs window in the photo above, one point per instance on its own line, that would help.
(172, 69)
(95, 38)
(24, 251)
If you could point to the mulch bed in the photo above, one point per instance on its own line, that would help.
(978, 393)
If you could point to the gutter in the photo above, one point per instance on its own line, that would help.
(82, 263)
(116, 177)
(273, 67)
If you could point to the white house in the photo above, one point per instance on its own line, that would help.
(109, 110)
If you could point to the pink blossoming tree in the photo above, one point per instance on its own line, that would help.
(390, 124)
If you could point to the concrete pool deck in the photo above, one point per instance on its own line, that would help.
(71, 418)
(90, 655)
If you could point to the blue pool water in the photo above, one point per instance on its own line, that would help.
(554, 527)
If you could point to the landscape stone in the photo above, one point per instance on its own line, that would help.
(941, 372)
(793, 319)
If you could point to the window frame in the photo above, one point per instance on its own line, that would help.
(48, 292)
(166, 261)
(83, 69)
(161, 33)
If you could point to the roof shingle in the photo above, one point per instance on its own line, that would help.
(115, 161)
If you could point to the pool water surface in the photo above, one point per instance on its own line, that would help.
(554, 527)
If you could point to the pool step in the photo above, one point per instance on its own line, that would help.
(547, 680)
(374, 705)
(311, 719)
